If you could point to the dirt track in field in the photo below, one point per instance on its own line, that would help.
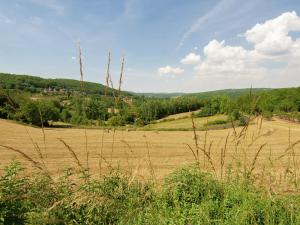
(167, 149)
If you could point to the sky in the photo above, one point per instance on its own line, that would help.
(169, 45)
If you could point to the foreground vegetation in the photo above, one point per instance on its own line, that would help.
(187, 196)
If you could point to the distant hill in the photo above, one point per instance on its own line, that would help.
(231, 93)
(161, 95)
(35, 84)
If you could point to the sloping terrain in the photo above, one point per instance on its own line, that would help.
(168, 150)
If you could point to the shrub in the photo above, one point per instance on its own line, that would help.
(188, 196)
(235, 115)
(216, 122)
(116, 121)
(244, 120)
(65, 115)
(13, 204)
(189, 186)
(37, 113)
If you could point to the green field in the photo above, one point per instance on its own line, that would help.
(184, 123)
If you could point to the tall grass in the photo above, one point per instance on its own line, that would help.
(187, 196)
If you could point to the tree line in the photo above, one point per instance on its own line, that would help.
(105, 110)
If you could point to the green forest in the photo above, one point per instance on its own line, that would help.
(39, 101)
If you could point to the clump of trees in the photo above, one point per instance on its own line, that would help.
(106, 110)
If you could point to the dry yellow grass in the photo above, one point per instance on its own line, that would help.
(167, 149)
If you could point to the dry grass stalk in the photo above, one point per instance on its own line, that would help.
(25, 156)
(82, 90)
(195, 137)
(194, 154)
(109, 164)
(128, 145)
(101, 154)
(206, 153)
(204, 147)
(108, 78)
(43, 129)
(73, 154)
(121, 77)
(112, 88)
(233, 127)
(80, 68)
(286, 151)
(294, 160)
(256, 157)
(257, 137)
(149, 160)
(223, 155)
(36, 148)
(107, 74)
(208, 156)
(260, 124)
(112, 145)
(86, 149)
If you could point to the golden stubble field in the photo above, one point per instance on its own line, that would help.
(130, 151)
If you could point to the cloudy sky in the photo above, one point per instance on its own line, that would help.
(169, 45)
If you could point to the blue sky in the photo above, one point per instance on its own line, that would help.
(39, 37)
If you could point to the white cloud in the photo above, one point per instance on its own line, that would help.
(230, 61)
(73, 57)
(272, 37)
(274, 52)
(191, 58)
(170, 70)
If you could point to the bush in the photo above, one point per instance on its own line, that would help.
(13, 202)
(189, 186)
(235, 115)
(65, 115)
(37, 113)
(244, 120)
(116, 121)
(216, 122)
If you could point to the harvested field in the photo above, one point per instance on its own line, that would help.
(167, 149)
